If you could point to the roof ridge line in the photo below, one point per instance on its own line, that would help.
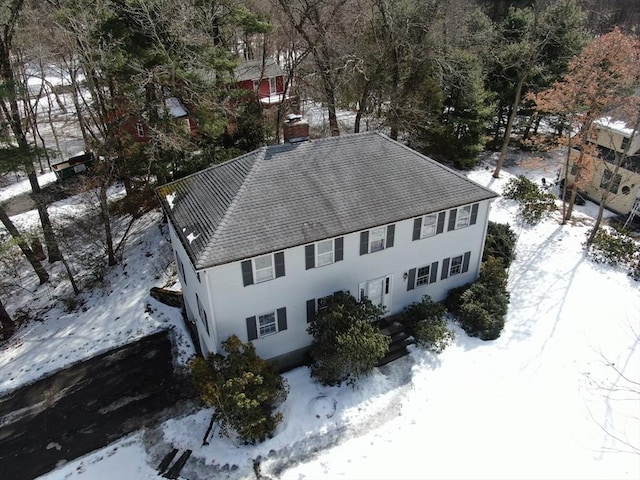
(260, 153)
(436, 163)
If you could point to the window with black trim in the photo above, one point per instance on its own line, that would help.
(267, 323)
(376, 239)
(423, 274)
(463, 217)
(324, 253)
(456, 265)
(262, 268)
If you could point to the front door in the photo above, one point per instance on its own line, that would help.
(378, 291)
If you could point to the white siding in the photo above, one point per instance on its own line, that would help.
(192, 287)
(233, 302)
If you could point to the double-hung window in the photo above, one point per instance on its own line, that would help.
(455, 265)
(424, 275)
(266, 323)
(324, 252)
(377, 239)
(463, 217)
(263, 268)
(428, 225)
(272, 86)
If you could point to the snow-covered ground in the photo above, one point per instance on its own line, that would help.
(553, 397)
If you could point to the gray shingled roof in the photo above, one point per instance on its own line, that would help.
(286, 195)
(253, 70)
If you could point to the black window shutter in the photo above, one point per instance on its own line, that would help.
(281, 313)
(452, 219)
(339, 249)
(474, 214)
(417, 226)
(310, 256)
(433, 272)
(364, 243)
(445, 269)
(279, 260)
(252, 331)
(465, 262)
(391, 230)
(311, 310)
(411, 280)
(247, 273)
(440, 227)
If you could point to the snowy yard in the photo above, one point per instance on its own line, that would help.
(542, 401)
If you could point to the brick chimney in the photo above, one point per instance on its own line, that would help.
(295, 129)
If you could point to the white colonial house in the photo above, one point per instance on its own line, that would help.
(262, 240)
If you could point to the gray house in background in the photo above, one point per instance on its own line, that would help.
(262, 240)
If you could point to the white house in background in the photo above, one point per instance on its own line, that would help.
(260, 241)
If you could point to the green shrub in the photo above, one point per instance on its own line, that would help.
(345, 343)
(454, 298)
(483, 306)
(613, 247)
(534, 202)
(426, 322)
(500, 243)
(243, 389)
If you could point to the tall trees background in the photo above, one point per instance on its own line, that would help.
(447, 77)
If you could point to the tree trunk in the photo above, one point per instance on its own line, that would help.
(17, 128)
(507, 133)
(106, 220)
(7, 323)
(28, 253)
(322, 61)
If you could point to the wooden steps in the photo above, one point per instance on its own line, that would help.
(400, 340)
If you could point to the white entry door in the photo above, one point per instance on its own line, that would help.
(378, 291)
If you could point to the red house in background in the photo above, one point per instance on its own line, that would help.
(265, 78)
(139, 129)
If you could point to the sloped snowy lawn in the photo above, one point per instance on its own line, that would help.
(120, 312)
(532, 404)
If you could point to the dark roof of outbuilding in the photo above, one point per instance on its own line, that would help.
(286, 195)
(255, 70)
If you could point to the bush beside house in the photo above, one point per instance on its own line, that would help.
(346, 345)
(426, 323)
(243, 389)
